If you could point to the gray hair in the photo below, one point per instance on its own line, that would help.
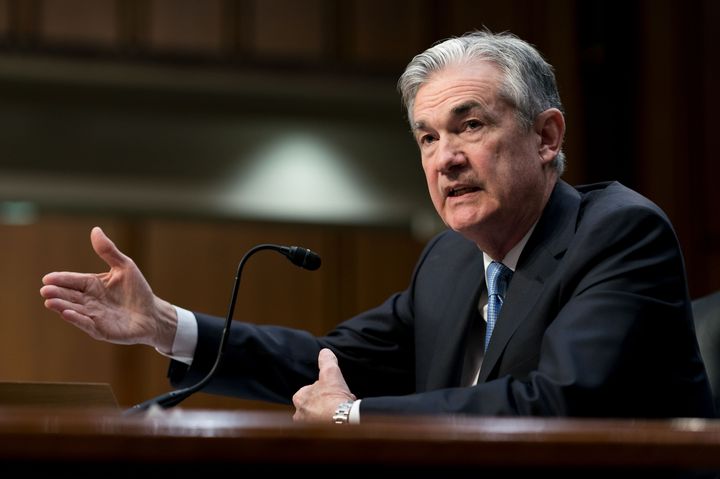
(529, 81)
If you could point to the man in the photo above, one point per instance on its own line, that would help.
(540, 298)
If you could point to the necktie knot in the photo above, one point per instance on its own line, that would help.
(498, 278)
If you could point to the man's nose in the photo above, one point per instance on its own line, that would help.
(451, 154)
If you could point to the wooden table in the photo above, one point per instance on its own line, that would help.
(179, 442)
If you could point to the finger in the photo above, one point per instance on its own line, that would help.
(49, 291)
(66, 309)
(299, 395)
(297, 416)
(52, 291)
(80, 320)
(106, 249)
(68, 280)
(55, 305)
(299, 399)
(61, 305)
(75, 315)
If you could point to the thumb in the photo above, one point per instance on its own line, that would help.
(328, 364)
(326, 358)
(106, 249)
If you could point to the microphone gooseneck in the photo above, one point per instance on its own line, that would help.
(298, 256)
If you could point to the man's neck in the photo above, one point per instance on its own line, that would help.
(502, 240)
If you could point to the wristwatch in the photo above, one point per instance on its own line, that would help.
(342, 413)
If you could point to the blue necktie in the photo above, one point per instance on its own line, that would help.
(498, 278)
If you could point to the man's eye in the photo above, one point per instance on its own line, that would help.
(472, 125)
(427, 139)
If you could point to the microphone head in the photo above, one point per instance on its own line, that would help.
(303, 257)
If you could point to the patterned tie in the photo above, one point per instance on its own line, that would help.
(498, 278)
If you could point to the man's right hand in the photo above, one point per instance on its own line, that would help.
(117, 306)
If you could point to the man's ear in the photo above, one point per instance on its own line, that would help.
(550, 127)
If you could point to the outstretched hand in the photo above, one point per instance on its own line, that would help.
(117, 306)
(317, 402)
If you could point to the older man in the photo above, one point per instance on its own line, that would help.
(539, 299)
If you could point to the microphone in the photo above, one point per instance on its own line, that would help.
(298, 256)
(301, 257)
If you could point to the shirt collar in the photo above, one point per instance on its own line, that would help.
(511, 258)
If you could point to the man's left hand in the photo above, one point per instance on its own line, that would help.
(317, 402)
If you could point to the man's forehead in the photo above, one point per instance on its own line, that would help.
(460, 109)
(459, 89)
(483, 72)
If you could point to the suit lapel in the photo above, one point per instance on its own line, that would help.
(538, 261)
(447, 362)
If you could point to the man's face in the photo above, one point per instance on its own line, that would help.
(483, 168)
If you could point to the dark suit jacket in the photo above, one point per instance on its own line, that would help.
(596, 322)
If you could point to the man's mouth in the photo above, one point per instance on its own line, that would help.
(461, 190)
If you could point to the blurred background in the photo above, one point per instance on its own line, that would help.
(191, 130)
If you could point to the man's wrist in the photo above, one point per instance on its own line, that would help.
(166, 323)
(342, 413)
(186, 334)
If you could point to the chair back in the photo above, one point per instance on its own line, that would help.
(706, 311)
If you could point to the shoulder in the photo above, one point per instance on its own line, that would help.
(618, 228)
(614, 205)
(609, 197)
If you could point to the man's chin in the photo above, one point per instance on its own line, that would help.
(471, 228)
(465, 229)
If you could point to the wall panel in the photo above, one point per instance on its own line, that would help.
(290, 30)
(186, 26)
(4, 18)
(35, 343)
(191, 264)
(79, 22)
(387, 33)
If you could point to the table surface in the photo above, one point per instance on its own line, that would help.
(187, 435)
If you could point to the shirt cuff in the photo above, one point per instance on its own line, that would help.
(186, 335)
(354, 416)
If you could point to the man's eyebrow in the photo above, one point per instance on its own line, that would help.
(457, 111)
(464, 108)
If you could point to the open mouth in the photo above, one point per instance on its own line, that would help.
(463, 190)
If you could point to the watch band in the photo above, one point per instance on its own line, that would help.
(342, 413)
